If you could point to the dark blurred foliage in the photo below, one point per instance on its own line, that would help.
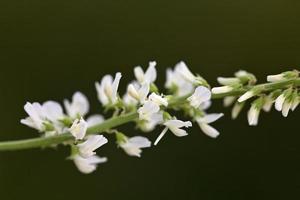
(50, 49)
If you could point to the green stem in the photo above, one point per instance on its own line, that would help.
(123, 119)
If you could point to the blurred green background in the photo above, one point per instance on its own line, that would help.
(50, 49)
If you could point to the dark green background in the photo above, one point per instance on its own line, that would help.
(49, 49)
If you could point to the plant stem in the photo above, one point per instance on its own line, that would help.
(126, 118)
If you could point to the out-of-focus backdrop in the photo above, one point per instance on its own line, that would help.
(50, 49)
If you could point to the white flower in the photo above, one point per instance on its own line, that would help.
(182, 69)
(36, 117)
(129, 100)
(200, 96)
(132, 146)
(147, 110)
(53, 111)
(237, 108)
(79, 106)
(159, 100)
(176, 82)
(152, 122)
(204, 122)
(295, 101)
(228, 81)
(137, 92)
(246, 96)
(222, 89)
(93, 142)
(79, 128)
(94, 120)
(268, 102)
(286, 107)
(275, 78)
(279, 102)
(88, 165)
(175, 126)
(228, 101)
(108, 89)
(149, 76)
(253, 115)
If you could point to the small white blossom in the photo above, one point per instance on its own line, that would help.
(228, 101)
(175, 81)
(275, 78)
(152, 122)
(159, 100)
(228, 81)
(88, 165)
(36, 116)
(279, 102)
(107, 90)
(79, 106)
(147, 110)
(237, 108)
(295, 101)
(93, 142)
(200, 96)
(268, 103)
(133, 146)
(79, 128)
(146, 77)
(204, 122)
(176, 128)
(253, 115)
(129, 100)
(222, 89)
(182, 69)
(137, 92)
(246, 96)
(286, 107)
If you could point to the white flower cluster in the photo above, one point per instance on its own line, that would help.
(187, 92)
(50, 119)
(285, 99)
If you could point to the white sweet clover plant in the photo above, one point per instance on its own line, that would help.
(146, 105)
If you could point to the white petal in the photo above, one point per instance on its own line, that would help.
(209, 118)
(94, 120)
(227, 81)
(222, 89)
(78, 129)
(209, 130)
(182, 69)
(201, 95)
(246, 96)
(79, 105)
(177, 123)
(253, 115)
(140, 142)
(53, 111)
(139, 74)
(92, 143)
(115, 86)
(150, 75)
(237, 108)
(279, 102)
(286, 107)
(275, 78)
(88, 165)
(228, 101)
(159, 100)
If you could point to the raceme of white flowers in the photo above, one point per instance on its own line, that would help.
(285, 99)
(186, 92)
